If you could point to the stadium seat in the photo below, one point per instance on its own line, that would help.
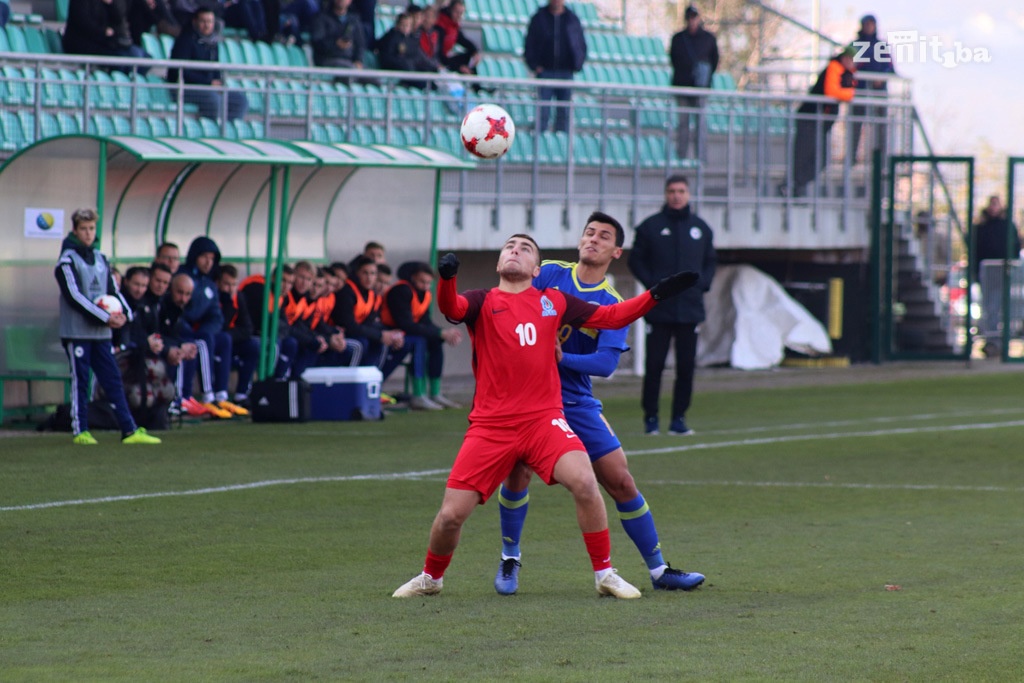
(16, 38)
(296, 57)
(122, 126)
(265, 54)
(168, 43)
(5, 46)
(14, 89)
(249, 53)
(102, 125)
(35, 40)
(69, 124)
(210, 128)
(230, 52)
(160, 127)
(52, 94)
(71, 84)
(280, 55)
(191, 128)
(11, 136)
(142, 127)
(152, 45)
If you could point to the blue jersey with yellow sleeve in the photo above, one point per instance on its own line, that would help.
(585, 351)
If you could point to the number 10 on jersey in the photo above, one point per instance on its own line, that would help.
(527, 334)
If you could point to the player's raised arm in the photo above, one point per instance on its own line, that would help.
(452, 305)
(614, 316)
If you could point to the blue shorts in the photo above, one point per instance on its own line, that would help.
(585, 417)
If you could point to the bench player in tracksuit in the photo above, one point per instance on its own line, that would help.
(85, 329)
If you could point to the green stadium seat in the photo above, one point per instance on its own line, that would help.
(280, 55)
(230, 52)
(168, 43)
(152, 45)
(102, 125)
(16, 38)
(249, 53)
(5, 45)
(71, 84)
(69, 124)
(28, 125)
(11, 136)
(327, 101)
(35, 40)
(14, 89)
(52, 93)
(142, 127)
(265, 54)
(123, 91)
(586, 149)
(254, 94)
(122, 125)
(210, 128)
(160, 127)
(296, 57)
(522, 150)
(243, 130)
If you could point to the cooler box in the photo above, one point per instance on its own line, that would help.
(344, 393)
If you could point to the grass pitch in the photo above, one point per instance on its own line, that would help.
(851, 532)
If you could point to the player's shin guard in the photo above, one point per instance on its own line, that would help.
(512, 508)
(638, 522)
(599, 547)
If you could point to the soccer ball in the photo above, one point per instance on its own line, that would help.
(488, 131)
(109, 303)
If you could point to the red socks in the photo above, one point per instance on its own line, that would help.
(435, 565)
(599, 547)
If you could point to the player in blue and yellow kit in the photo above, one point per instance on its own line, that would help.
(585, 352)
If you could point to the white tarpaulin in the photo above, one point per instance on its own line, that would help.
(751, 320)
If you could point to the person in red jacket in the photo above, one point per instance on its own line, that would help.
(815, 120)
(517, 413)
(449, 22)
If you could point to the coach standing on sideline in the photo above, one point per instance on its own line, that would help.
(672, 240)
(85, 329)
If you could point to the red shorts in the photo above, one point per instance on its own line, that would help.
(489, 452)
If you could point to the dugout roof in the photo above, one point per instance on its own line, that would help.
(322, 202)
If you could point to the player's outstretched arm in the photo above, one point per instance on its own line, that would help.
(614, 316)
(452, 305)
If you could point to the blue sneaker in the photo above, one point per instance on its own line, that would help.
(676, 579)
(679, 428)
(506, 582)
(651, 426)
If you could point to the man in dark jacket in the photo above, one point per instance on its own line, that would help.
(874, 57)
(694, 55)
(206, 321)
(337, 36)
(100, 27)
(555, 49)
(198, 43)
(672, 240)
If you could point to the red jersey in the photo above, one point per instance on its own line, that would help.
(514, 337)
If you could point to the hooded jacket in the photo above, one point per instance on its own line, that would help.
(203, 312)
(668, 242)
(83, 274)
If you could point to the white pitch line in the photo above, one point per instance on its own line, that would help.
(650, 451)
(871, 420)
(831, 436)
(225, 489)
(839, 485)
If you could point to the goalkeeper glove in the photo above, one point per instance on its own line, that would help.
(448, 266)
(674, 284)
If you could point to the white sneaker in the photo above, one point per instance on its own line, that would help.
(615, 585)
(423, 403)
(444, 401)
(424, 585)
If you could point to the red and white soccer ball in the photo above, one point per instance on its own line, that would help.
(109, 303)
(488, 131)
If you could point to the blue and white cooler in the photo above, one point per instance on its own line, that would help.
(344, 393)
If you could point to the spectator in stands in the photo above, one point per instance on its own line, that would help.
(144, 15)
(247, 15)
(83, 275)
(555, 48)
(694, 56)
(815, 120)
(245, 346)
(449, 21)
(397, 49)
(206, 322)
(667, 242)
(407, 308)
(297, 16)
(198, 43)
(870, 49)
(429, 34)
(5, 14)
(100, 27)
(169, 255)
(357, 312)
(337, 37)
(367, 12)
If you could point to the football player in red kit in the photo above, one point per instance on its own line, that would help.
(517, 410)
